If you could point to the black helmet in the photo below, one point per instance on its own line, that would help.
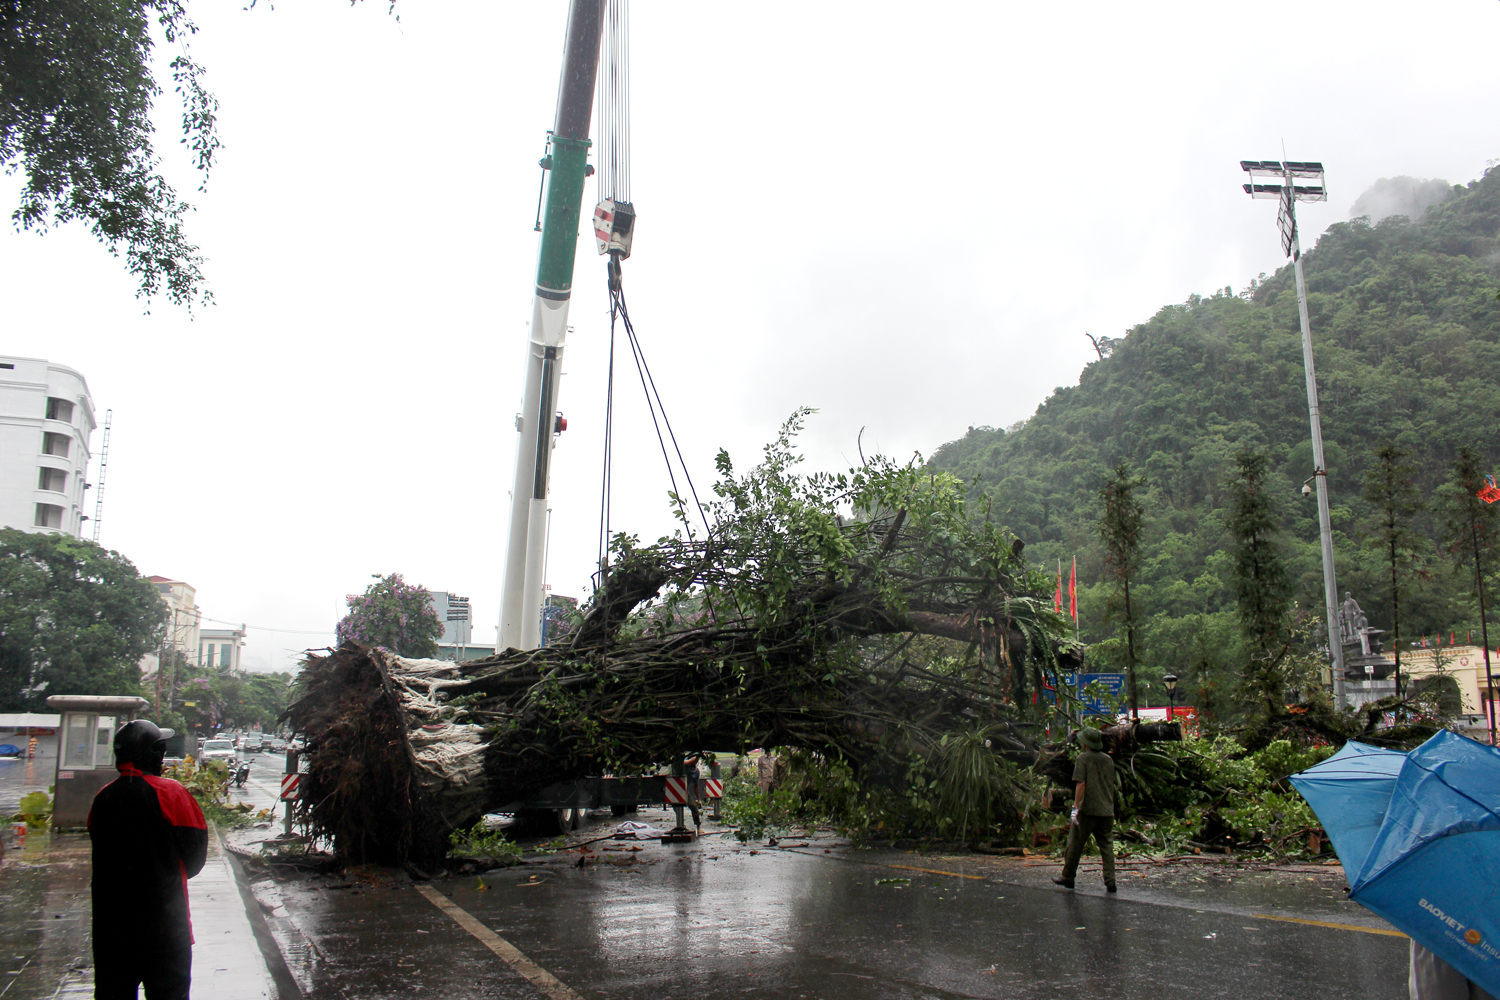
(143, 744)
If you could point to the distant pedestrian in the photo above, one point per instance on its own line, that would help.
(149, 838)
(1093, 808)
(765, 769)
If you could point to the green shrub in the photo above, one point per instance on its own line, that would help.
(209, 784)
(35, 810)
(479, 841)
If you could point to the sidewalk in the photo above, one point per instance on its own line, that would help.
(45, 945)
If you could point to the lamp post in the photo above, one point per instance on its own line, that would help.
(1294, 182)
(1170, 680)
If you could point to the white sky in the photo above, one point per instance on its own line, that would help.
(903, 215)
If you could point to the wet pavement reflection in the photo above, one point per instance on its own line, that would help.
(717, 918)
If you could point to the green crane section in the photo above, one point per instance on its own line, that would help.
(538, 423)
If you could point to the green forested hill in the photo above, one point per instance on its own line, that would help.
(1406, 333)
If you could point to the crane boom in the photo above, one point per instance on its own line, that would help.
(567, 165)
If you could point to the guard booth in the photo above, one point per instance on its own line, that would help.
(85, 752)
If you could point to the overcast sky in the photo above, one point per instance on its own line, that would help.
(903, 215)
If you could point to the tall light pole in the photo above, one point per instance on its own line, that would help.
(1290, 183)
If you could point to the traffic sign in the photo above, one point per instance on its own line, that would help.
(289, 784)
(1107, 696)
(677, 791)
(713, 788)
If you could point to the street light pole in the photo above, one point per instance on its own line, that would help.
(1304, 182)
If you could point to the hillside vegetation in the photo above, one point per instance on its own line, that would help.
(1406, 334)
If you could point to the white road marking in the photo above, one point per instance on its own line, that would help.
(507, 952)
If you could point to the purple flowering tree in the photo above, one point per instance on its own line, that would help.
(393, 615)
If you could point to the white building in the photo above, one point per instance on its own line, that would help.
(219, 648)
(46, 420)
(183, 632)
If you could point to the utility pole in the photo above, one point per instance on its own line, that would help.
(1305, 182)
(537, 424)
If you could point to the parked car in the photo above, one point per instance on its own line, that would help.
(217, 749)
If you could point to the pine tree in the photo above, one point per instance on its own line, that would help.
(1120, 527)
(1391, 492)
(1262, 583)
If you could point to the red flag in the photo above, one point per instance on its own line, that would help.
(1073, 592)
(1057, 597)
(1452, 638)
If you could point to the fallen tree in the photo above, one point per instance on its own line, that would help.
(864, 616)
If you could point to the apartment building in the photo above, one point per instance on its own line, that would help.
(46, 421)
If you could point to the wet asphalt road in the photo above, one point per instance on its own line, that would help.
(714, 919)
(720, 919)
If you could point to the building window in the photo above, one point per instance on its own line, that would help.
(59, 409)
(55, 444)
(48, 515)
(200, 654)
(55, 480)
(224, 654)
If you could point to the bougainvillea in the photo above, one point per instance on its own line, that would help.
(393, 615)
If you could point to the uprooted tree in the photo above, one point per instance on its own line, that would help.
(869, 616)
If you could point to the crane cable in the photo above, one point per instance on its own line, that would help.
(614, 185)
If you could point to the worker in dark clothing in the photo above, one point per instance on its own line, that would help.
(149, 838)
(1093, 808)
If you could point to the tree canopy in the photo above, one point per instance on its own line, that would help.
(75, 618)
(1406, 331)
(76, 95)
(395, 615)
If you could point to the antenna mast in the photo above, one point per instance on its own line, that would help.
(109, 419)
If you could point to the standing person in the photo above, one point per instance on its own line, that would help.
(149, 838)
(1093, 808)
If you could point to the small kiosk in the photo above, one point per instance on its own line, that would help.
(86, 755)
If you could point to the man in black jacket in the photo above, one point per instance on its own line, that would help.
(149, 838)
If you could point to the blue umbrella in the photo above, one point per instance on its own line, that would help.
(1350, 792)
(1433, 867)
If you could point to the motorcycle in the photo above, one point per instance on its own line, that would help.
(241, 773)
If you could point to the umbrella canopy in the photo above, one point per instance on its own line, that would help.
(1350, 792)
(1433, 866)
(1434, 869)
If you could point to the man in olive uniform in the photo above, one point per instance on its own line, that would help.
(1093, 808)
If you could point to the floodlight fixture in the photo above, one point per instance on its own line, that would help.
(1291, 181)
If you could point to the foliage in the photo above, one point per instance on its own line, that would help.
(75, 618)
(395, 615)
(35, 810)
(208, 782)
(76, 98)
(965, 793)
(479, 841)
(224, 700)
(1213, 791)
(1406, 330)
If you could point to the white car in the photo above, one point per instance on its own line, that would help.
(218, 750)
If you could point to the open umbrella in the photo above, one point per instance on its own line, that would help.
(1433, 867)
(1350, 792)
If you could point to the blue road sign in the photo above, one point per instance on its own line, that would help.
(1107, 695)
